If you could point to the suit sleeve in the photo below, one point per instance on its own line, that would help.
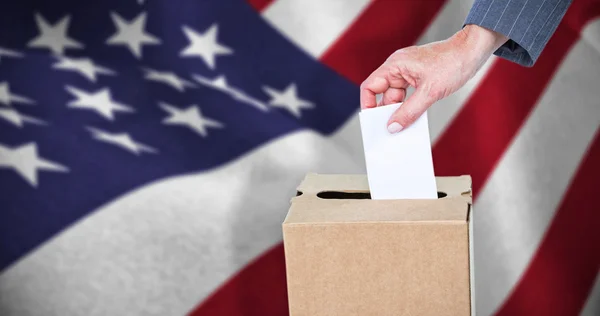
(528, 24)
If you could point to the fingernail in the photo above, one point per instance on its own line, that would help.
(394, 127)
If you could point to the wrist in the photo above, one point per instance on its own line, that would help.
(482, 38)
(478, 42)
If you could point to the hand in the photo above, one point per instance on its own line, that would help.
(435, 70)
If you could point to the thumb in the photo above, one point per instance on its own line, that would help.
(410, 110)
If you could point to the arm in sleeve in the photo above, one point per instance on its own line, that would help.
(528, 24)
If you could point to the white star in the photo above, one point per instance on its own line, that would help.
(100, 101)
(9, 53)
(54, 37)
(84, 66)
(220, 83)
(190, 117)
(168, 78)
(26, 162)
(122, 140)
(132, 34)
(7, 98)
(140, 2)
(17, 119)
(288, 99)
(204, 45)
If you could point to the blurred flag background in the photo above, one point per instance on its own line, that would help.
(149, 149)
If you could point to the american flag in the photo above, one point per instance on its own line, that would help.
(148, 150)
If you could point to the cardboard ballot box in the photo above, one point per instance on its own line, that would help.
(349, 255)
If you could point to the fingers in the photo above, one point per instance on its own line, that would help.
(410, 111)
(370, 88)
(379, 82)
(392, 95)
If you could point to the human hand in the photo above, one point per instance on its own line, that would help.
(435, 70)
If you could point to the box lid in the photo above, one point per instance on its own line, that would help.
(345, 198)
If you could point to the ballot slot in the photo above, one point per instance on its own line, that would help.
(338, 195)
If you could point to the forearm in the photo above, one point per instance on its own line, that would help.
(528, 25)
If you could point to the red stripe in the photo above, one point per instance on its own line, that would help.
(562, 272)
(260, 5)
(384, 27)
(476, 139)
(258, 289)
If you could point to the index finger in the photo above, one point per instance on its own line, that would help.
(379, 82)
(376, 83)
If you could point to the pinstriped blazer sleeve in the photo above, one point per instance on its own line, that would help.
(528, 24)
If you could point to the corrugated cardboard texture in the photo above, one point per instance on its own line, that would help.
(367, 257)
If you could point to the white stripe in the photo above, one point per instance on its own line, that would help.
(592, 36)
(592, 306)
(447, 22)
(313, 25)
(521, 197)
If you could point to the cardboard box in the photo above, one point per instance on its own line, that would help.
(349, 255)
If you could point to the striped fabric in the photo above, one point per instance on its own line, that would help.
(528, 24)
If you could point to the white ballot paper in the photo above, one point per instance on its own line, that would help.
(399, 166)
